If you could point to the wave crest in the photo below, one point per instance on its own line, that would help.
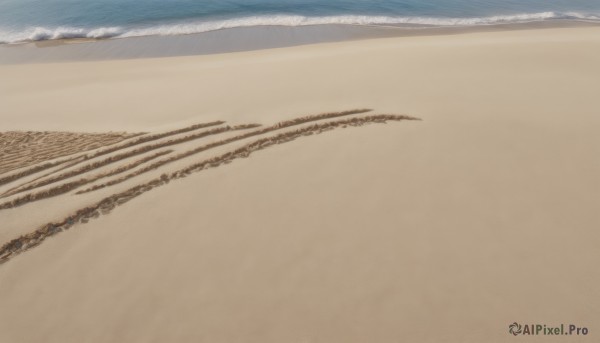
(41, 33)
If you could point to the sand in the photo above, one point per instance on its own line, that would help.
(448, 228)
(235, 40)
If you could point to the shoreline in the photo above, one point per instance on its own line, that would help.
(239, 40)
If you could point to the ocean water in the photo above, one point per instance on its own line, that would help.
(34, 20)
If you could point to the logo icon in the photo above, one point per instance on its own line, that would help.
(515, 328)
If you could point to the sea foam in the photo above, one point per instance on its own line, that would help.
(63, 32)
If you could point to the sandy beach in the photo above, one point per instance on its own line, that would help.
(420, 189)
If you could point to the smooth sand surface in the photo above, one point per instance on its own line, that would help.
(441, 230)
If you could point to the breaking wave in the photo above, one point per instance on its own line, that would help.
(42, 33)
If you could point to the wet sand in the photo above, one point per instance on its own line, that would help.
(236, 40)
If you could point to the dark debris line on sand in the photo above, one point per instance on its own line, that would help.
(104, 206)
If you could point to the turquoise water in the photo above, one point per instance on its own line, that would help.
(31, 20)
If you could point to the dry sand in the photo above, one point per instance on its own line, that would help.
(441, 230)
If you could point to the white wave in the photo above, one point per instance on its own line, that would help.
(40, 33)
(294, 20)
